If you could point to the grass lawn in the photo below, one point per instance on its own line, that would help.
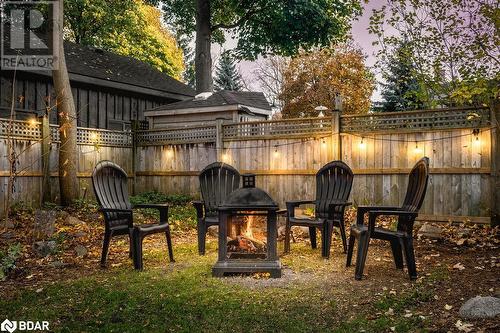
(314, 295)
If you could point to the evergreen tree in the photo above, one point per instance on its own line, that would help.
(400, 90)
(226, 74)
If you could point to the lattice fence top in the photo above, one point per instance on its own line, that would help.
(416, 120)
(196, 134)
(395, 122)
(93, 136)
(20, 129)
(278, 128)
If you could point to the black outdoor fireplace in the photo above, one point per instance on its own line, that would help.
(248, 232)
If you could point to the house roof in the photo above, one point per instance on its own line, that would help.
(221, 98)
(98, 67)
(109, 66)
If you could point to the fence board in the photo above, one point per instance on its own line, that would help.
(169, 160)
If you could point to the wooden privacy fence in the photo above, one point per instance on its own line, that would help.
(285, 154)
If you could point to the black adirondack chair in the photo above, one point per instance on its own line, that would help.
(401, 239)
(333, 186)
(111, 190)
(217, 180)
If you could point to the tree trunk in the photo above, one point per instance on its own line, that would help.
(203, 59)
(68, 181)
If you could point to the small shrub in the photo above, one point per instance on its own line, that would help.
(155, 197)
(8, 260)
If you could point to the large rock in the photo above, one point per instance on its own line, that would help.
(45, 224)
(71, 220)
(44, 248)
(480, 307)
(81, 251)
(430, 231)
(213, 231)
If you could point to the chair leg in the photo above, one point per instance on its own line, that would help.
(169, 245)
(328, 238)
(202, 234)
(397, 252)
(312, 237)
(288, 230)
(350, 250)
(131, 243)
(138, 265)
(105, 247)
(343, 235)
(410, 258)
(363, 243)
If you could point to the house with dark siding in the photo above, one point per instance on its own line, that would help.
(110, 91)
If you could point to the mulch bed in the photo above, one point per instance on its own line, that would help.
(464, 264)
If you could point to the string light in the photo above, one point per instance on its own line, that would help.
(476, 141)
(225, 156)
(94, 137)
(170, 151)
(417, 148)
(324, 143)
(362, 144)
(33, 122)
(276, 154)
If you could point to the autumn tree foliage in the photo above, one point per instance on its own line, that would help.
(127, 27)
(452, 48)
(315, 78)
(262, 27)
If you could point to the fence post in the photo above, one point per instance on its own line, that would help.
(135, 128)
(46, 147)
(336, 140)
(495, 163)
(219, 143)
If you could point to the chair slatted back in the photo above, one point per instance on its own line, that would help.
(110, 187)
(217, 180)
(417, 186)
(333, 183)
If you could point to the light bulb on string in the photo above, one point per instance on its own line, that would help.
(417, 149)
(225, 156)
(33, 122)
(476, 140)
(94, 137)
(276, 153)
(170, 151)
(362, 144)
(323, 142)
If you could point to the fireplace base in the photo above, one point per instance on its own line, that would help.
(247, 266)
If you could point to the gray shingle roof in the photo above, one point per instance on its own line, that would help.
(113, 67)
(100, 64)
(221, 98)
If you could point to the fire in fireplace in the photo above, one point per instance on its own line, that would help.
(248, 232)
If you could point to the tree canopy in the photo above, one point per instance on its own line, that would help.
(400, 89)
(261, 26)
(453, 47)
(226, 74)
(316, 78)
(127, 27)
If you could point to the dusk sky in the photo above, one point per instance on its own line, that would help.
(359, 33)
